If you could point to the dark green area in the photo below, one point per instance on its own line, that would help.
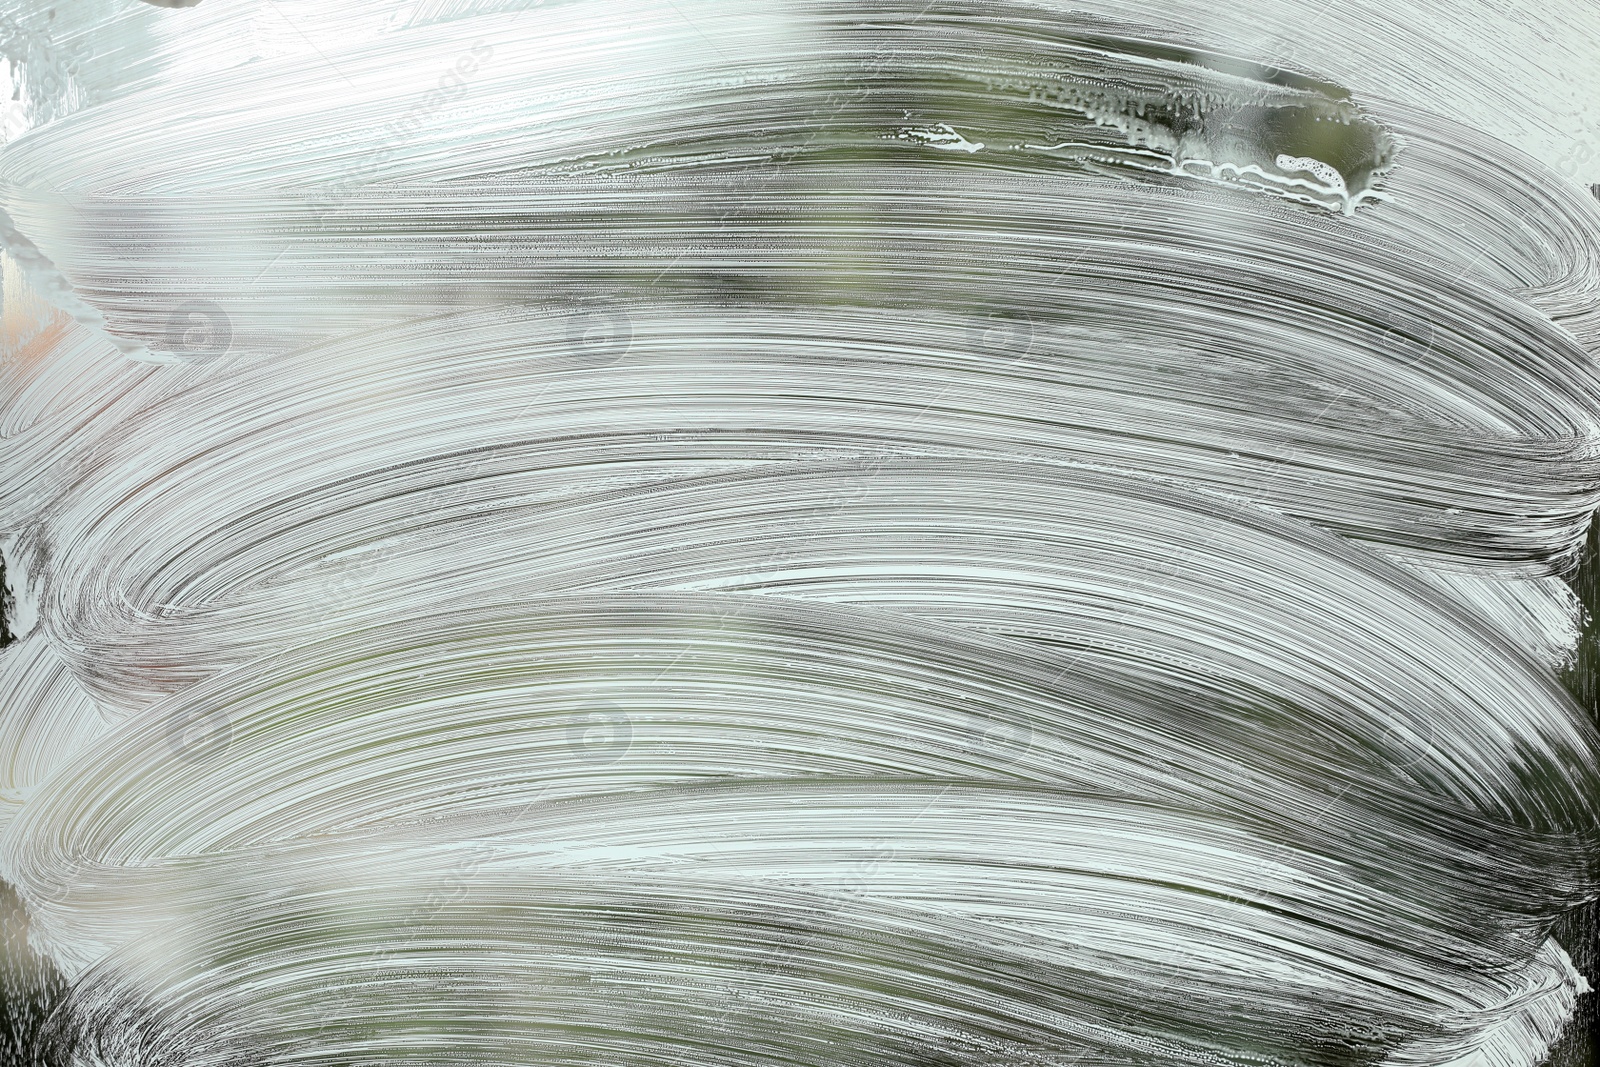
(1579, 930)
(30, 985)
(30, 989)
(6, 636)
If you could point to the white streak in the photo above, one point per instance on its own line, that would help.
(813, 532)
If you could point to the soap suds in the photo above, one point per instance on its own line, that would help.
(745, 533)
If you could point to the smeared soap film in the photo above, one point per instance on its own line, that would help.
(679, 532)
